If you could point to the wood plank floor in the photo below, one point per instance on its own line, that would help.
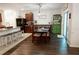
(54, 47)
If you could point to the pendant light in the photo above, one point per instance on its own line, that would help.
(39, 9)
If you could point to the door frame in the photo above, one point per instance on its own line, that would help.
(65, 11)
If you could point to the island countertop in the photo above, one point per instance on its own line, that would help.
(5, 31)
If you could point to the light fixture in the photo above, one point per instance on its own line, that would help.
(39, 8)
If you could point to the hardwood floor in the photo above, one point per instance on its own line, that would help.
(56, 46)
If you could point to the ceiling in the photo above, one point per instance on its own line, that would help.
(31, 6)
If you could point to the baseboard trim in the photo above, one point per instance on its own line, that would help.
(76, 46)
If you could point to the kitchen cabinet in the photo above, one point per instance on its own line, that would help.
(29, 16)
(29, 19)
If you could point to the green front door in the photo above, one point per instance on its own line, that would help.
(56, 27)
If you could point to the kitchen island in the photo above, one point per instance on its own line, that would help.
(9, 38)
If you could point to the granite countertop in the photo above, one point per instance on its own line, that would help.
(5, 31)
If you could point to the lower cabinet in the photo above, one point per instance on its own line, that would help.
(28, 29)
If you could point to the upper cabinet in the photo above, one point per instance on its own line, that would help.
(29, 16)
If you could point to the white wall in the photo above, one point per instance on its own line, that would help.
(74, 37)
(45, 16)
(10, 18)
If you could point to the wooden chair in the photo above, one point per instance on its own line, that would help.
(35, 35)
(46, 36)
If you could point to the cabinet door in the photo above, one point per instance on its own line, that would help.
(29, 17)
(28, 29)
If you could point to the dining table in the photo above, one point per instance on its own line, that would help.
(42, 31)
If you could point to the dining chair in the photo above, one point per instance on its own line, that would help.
(35, 35)
(46, 36)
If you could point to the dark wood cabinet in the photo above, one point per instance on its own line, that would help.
(28, 29)
(29, 19)
(29, 16)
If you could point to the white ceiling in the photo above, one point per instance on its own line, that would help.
(31, 6)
